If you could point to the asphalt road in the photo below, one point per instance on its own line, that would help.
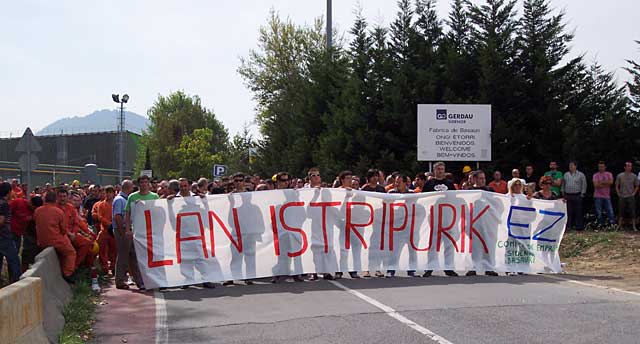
(482, 309)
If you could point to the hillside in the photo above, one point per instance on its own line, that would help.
(101, 120)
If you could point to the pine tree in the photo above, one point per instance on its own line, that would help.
(634, 85)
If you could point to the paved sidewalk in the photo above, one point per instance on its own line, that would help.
(125, 316)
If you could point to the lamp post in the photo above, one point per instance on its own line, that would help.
(121, 131)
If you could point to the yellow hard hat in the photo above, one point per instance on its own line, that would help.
(275, 176)
(466, 169)
(96, 248)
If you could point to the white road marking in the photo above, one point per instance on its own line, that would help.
(593, 285)
(162, 329)
(393, 313)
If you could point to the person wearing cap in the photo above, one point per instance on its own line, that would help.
(467, 178)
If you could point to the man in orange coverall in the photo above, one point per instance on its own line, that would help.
(102, 220)
(51, 229)
(83, 238)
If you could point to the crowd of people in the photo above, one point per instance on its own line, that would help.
(85, 223)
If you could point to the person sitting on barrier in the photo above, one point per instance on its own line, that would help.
(51, 231)
(87, 237)
(80, 243)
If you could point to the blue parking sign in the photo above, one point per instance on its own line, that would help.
(219, 170)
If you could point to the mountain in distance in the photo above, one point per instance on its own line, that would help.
(98, 121)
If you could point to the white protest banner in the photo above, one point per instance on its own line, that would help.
(454, 132)
(287, 232)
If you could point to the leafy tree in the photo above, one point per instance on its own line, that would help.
(354, 106)
(194, 155)
(240, 157)
(278, 75)
(171, 119)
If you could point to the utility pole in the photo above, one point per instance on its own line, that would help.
(329, 26)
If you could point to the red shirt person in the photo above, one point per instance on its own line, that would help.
(21, 214)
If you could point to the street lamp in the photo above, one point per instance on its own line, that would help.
(121, 131)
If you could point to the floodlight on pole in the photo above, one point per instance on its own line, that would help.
(121, 134)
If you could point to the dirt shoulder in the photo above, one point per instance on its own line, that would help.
(605, 258)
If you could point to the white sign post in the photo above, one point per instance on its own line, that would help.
(451, 132)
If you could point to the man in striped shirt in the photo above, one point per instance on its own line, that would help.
(574, 187)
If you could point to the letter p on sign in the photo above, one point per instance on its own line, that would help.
(219, 170)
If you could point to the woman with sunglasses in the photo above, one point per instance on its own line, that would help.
(545, 192)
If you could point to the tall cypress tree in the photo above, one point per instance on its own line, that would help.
(498, 84)
(459, 74)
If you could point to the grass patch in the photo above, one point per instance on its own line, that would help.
(79, 313)
(575, 244)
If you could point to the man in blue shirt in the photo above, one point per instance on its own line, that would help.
(126, 259)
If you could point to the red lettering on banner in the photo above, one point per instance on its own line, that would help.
(463, 225)
(384, 217)
(274, 230)
(349, 227)
(179, 239)
(412, 230)
(305, 242)
(150, 262)
(324, 206)
(473, 231)
(392, 214)
(445, 230)
(236, 243)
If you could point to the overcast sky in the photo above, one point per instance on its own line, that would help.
(65, 58)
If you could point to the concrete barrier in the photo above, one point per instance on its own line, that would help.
(21, 317)
(56, 293)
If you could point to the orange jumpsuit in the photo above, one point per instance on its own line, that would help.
(102, 220)
(83, 241)
(51, 229)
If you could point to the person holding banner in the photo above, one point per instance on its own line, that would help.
(315, 181)
(249, 239)
(439, 183)
(480, 183)
(373, 185)
(545, 192)
(345, 178)
(144, 194)
(283, 182)
(401, 188)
